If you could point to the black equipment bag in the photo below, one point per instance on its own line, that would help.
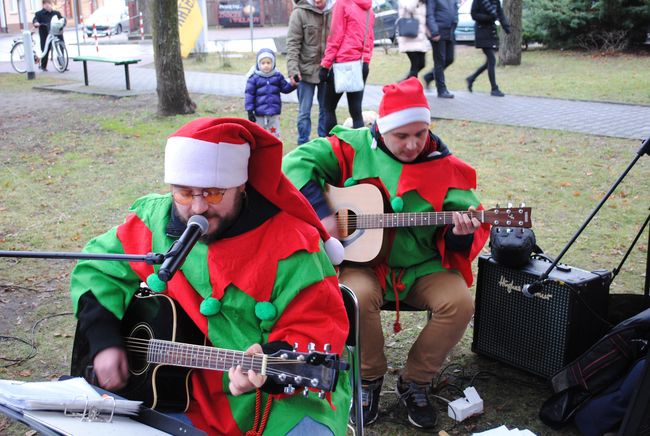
(601, 365)
(512, 247)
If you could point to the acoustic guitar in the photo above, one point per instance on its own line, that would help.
(361, 219)
(164, 346)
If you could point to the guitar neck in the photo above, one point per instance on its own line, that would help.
(200, 356)
(410, 219)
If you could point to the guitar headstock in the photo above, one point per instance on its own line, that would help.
(508, 216)
(311, 370)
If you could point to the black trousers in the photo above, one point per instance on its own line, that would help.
(418, 61)
(490, 66)
(354, 102)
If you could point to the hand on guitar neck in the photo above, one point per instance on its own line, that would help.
(465, 223)
(241, 382)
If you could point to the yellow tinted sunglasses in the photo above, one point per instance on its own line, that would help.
(184, 196)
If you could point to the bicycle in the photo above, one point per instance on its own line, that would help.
(58, 52)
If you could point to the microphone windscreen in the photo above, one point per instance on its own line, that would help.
(200, 221)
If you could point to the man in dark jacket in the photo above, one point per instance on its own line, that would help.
(42, 21)
(309, 26)
(442, 18)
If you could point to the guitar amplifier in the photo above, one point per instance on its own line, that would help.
(542, 334)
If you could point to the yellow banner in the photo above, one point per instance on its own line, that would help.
(190, 23)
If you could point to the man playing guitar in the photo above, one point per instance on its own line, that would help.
(428, 267)
(258, 280)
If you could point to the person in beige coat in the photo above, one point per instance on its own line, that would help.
(309, 26)
(415, 48)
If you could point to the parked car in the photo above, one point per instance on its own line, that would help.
(465, 28)
(385, 19)
(108, 20)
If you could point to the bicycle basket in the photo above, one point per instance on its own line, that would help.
(56, 26)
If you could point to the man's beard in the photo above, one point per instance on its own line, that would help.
(225, 222)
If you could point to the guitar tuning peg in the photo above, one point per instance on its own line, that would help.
(509, 204)
(295, 346)
(305, 392)
(311, 347)
(327, 348)
(497, 206)
(522, 204)
(289, 389)
(321, 394)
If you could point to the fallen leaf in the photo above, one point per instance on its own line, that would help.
(25, 373)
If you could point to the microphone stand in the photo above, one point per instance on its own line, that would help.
(644, 149)
(150, 258)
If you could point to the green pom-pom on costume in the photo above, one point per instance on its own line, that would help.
(397, 204)
(265, 311)
(349, 182)
(210, 306)
(155, 284)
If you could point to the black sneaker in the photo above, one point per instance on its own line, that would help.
(421, 412)
(497, 93)
(370, 391)
(443, 93)
(428, 78)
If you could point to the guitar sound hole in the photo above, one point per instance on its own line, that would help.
(346, 222)
(139, 339)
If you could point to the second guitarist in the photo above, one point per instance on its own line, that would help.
(426, 267)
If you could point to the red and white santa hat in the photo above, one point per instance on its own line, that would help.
(227, 152)
(403, 103)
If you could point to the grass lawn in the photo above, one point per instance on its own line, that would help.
(548, 73)
(76, 180)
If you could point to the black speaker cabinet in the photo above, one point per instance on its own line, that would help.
(542, 334)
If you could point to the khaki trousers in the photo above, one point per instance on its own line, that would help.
(444, 293)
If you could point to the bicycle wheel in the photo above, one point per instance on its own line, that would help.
(60, 56)
(18, 57)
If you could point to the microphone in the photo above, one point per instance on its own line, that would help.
(197, 226)
(530, 289)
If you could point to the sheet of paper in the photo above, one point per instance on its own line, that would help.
(74, 426)
(74, 394)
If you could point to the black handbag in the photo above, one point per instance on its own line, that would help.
(408, 27)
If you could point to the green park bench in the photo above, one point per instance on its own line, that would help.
(125, 62)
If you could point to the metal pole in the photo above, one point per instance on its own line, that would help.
(27, 42)
(250, 21)
(76, 25)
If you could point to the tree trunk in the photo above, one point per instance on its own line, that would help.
(510, 47)
(173, 97)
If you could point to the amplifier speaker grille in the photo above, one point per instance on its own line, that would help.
(541, 334)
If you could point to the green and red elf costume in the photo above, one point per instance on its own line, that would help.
(435, 181)
(268, 279)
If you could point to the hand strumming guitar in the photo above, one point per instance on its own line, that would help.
(111, 368)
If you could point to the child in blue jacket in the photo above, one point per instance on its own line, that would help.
(265, 83)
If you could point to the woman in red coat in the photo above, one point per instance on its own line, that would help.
(352, 22)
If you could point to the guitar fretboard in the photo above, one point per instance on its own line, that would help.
(200, 356)
(382, 220)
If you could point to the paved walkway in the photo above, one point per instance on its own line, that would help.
(597, 118)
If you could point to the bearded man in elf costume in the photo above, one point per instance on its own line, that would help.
(426, 267)
(260, 275)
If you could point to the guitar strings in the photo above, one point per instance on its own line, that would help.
(141, 346)
(403, 216)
